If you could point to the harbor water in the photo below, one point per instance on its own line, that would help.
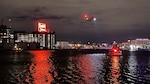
(55, 67)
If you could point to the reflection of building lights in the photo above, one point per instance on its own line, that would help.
(132, 64)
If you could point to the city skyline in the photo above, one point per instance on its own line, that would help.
(116, 20)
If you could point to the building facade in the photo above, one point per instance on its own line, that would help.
(37, 40)
(41, 39)
(4, 34)
(137, 44)
(6, 38)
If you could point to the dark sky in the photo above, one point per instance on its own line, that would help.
(118, 20)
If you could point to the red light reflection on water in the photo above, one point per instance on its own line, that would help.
(85, 66)
(115, 70)
(40, 67)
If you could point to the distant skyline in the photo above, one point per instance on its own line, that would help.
(118, 20)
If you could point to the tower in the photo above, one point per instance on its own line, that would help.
(4, 33)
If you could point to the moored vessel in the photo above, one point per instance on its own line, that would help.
(115, 51)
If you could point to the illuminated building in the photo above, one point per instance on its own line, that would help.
(42, 39)
(137, 44)
(124, 45)
(62, 45)
(37, 39)
(46, 40)
(6, 39)
(20, 36)
(4, 34)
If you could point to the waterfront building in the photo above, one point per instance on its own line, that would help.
(137, 44)
(46, 40)
(38, 40)
(141, 43)
(62, 45)
(4, 34)
(125, 45)
(6, 39)
(21, 36)
(43, 38)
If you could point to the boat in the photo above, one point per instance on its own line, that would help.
(17, 49)
(115, 51)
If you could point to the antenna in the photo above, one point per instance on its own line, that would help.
(2, 21)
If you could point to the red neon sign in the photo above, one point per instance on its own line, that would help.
(42, 27)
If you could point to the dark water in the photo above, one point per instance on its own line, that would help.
(53, 67)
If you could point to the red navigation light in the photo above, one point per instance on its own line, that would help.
(85, 16)
(115, 50)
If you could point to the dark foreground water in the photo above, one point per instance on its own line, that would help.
(53, 67)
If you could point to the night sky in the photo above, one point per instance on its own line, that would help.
(118, 20)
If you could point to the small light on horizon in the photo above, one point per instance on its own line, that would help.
(9, 20)
(94, 19)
